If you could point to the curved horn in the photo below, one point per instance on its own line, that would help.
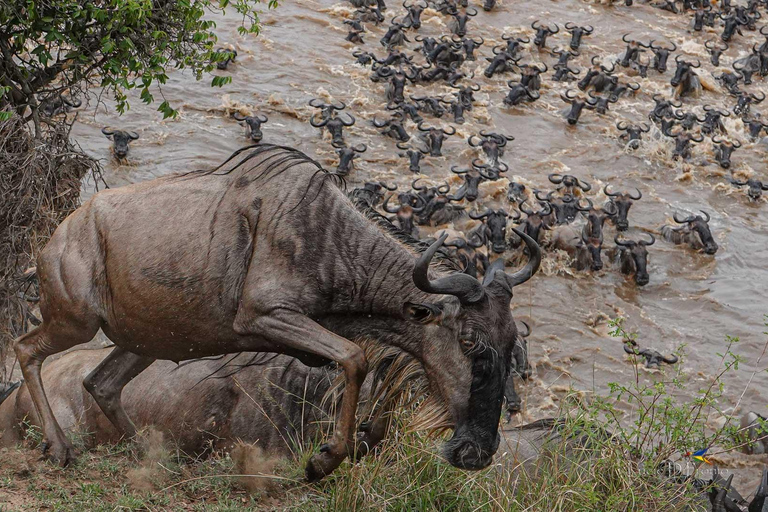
(350, 122)
(449, 133)
(610, 194)
(629, 350)
(420, 187)
(555, 178)
(534, 260)
(107, 131)
(480, 216)
(262, 118)
(455, 170)
(471, 14)
(706, 215)
(639, 195)
(622, 125)
(527, 330)
(570, 25)
(385, 206)
(388, 187)
(324, 122)
(683, 221)
(672, 360)
(648, 242)
(360, 148)
(623, 243)
(132, 135)
(468, 289)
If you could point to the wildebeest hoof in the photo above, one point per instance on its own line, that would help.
(61, 454)
(321, 465)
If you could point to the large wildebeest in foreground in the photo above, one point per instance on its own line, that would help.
(268, 255)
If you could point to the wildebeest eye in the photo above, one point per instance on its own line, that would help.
(468, 344)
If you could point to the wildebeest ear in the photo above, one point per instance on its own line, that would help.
(423, 313)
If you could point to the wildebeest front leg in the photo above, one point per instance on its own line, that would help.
(106, 382)
(295, 331)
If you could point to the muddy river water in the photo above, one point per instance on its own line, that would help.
(693, 300)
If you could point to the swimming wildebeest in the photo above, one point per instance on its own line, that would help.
(754, 187)
(632, 133)
(694, 232)
(277, 266)
(653, 358)
(254, 125)
(120, 140)
(633, 258)
(622, 203)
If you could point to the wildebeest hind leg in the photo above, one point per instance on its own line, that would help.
(297, 332)
(106, 382)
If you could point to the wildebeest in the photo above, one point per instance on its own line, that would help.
(653, 358)
(458, 23)
(598, 77)
(58, 104)
(470, 45)
(120, 140)
(577, 106)
(347, 156)
(371, 193)
(414, 156)
(520, 368)
(634, 48)
(713, 121)
(754, 125)
(273, 400)
(662, 108)
(469, 189)
(516, 192)
(694, 231)
(744, 101)
(633, 258)
(434, 138)
(254, 125)
(514, 43)
(335, 126)
(686, 81)
(393, 127)
(519, 93)
(223, 56)
(577, 33)
(753, 425)
(413, 18)
(731, 25)
(683, 141)
(563, 208)
(275, 271)
(723, 151)
(660, 56)
(632, 133)
(395, 35)
(585, 251)
(410, 205)
(535, 221)
(595, 217)
(754, 187)
(601, 103)
(501, 62)
(492, 144)
(568, 183)
(542, 33)
(715, 50)
(688, 119)
(622, 201)
(494, 227)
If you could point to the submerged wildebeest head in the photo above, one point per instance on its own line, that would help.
(686, 80)
(335, 126)
(519, 93)
(543, 32)
(731, 25)
(596, 217)
(393, 127)
(633, 50)
(653, 358)
(577, 106)
(414, 156)
(495, 227)
(715, 50)
(458, 24)
(501, 62)
(371, 193)
(713, 120)
(622, 203)
(632, 133)
(663, 108)
(563, 208)
(410, 204)
(516, 192)
(347, 156)
(683, 141)
(577, 32)
(694, 231)
(723, 151)
(568, 183)
(471, 44)
(469, 189)
(413, 18)
(661, 55)
(492, 144)
(535, 221)
(744, 101)
(434, 138)
(58, 104)
(749, 65)
(602, 102)
(754, 125)
(223, 56)
(120, 140)
(688, 119)
(598, 76)
(633, 258)
(254, 125)
(755, 187)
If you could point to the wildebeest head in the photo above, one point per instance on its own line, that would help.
(754, 125)
(410, 204)
(568, 183)
(223, 56)
(469, 190)
(254, 125)
(577, 32)
(712, 120)
(715, 50)
(700, 226)
(622, 203)
(335, 126)
(683, 143)
(731, 25)
(496, 227)
(434, 138)
(749, 65)
(601, 102)
(543, 32)
(535, 221)
(514, 44)
(371, 193)
(458, 24)
(492, 144)
(413, 18)
(564, 208)
(347, 156)
(639, 253)
(594, 247)
(633, 50)
(660, 56)
(500, 62)
(688, 119)
(515, 192)
(632, 133)
(653, 358)
(327, 110)
(723, 151)
(744, 101)
(414, 156)
(755, 187)
(120, 140)
(468, 350)
(596, 217)
(663, 107)
(470, 45)
(730, 81)
(577, 106)
(519, 93)
(685, 79)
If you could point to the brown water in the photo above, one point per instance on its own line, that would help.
(692, 299)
